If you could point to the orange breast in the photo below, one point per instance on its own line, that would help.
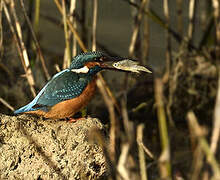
(69, 107)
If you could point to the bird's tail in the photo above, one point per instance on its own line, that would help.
(28, 107)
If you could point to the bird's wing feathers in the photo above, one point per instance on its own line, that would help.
(67, 86)
(63, 86)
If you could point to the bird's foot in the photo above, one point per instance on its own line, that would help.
(73, 120)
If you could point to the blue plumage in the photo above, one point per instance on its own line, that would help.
(64, 85)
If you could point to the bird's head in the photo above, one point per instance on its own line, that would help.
(93, 62)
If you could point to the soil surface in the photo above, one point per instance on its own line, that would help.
(31, 148)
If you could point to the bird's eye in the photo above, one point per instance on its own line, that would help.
(99, 59)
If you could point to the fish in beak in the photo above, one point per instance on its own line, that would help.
(122, 64)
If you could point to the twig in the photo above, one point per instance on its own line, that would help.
(6, 104)
(110, 106)
(180, 16)
(197, 162)
(72, 11)
(81, 44)
(94, 24)
(216, 120)
(122, 161)
(216, 7)
(24, 60)
(35, 41)
(66, 60)
(216, 126)
(142, 163)
(146, 35)
(36, 16)
(1, 30)
(159, 21)
(146, 150)
(193, 123)
(168, 45)
(128, 125)
(136, 29)
(165, 167)
(191, 19)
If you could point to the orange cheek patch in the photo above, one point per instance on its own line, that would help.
(92, 64)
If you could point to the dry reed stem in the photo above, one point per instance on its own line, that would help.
(168, 40)
(110, 106)
(165, 166)
(94, 24)
(128, 125)
(72, 10)
(166, 75)
(37, 45)
(122, 162)
(5, 103)
(136, 28)
(81, 44)
(191, 19)
(160, 22)
(180, 16)
(36, 16)
(142, 164)
(146, 150)
(66, 60)
(24, 62)
(216, 120)
(57, 67)
(146, 35)
(173, 83)
(216, 123)
(1, 29)
(198, 157)
(104, 89)
(23, 48)
(199, 133)
(216, 8)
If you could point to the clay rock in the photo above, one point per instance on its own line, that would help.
(31, 148)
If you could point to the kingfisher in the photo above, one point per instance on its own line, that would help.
(70, 90)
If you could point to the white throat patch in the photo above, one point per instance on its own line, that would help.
(84, 69)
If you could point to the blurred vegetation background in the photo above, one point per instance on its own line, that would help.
(161, 126)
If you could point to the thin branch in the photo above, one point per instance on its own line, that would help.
(110, 106)
(81, 44)
(122, 162)
(1, 30)
(168, 40)
(25, 62)
(192, 8)
(216, 126)
(94, 24)
(165, 166)
(5, 103)
(73, 21)
(66, 60)
(193, 123)
(136, 28)
(180, 16)
(159, 21)
(216, 120)
(142, 163)
(35, 41)
(36, 16)
(216, 8)
(146, 35)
